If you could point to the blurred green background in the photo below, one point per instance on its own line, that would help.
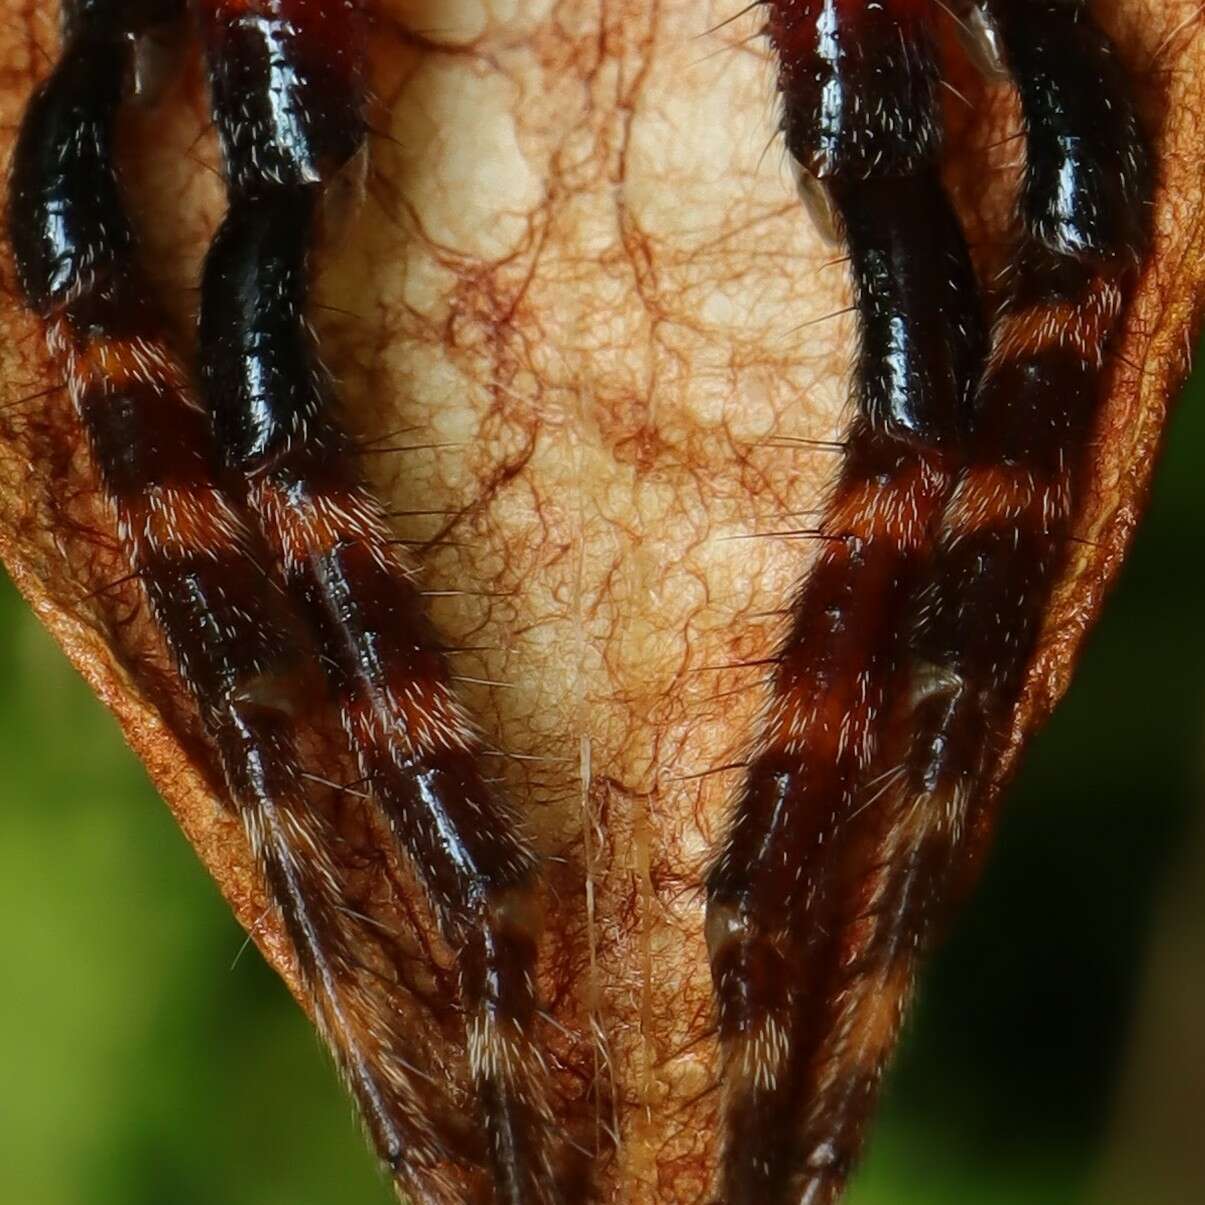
(1056, 1056)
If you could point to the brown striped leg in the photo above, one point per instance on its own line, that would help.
(861, 124)
(273, 406)
(972, 623)
(221, 620)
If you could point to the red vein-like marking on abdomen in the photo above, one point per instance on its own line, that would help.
(187, 544)
(272, 403)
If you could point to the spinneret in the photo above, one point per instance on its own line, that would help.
(287, 99)
(236, 650)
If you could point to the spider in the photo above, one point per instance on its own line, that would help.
(602, 852)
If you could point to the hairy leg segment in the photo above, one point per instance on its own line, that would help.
(233, 643)
(912, 634)
(418, 752)
(287, 92)
(862, 127)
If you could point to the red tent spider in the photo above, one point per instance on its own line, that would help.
(723, 781)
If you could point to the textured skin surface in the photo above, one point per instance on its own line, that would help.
(577, 272)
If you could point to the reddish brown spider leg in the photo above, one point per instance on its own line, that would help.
(287, 87)
(861, 117)
(971, 625)
(1075, 268)
(218, 615)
